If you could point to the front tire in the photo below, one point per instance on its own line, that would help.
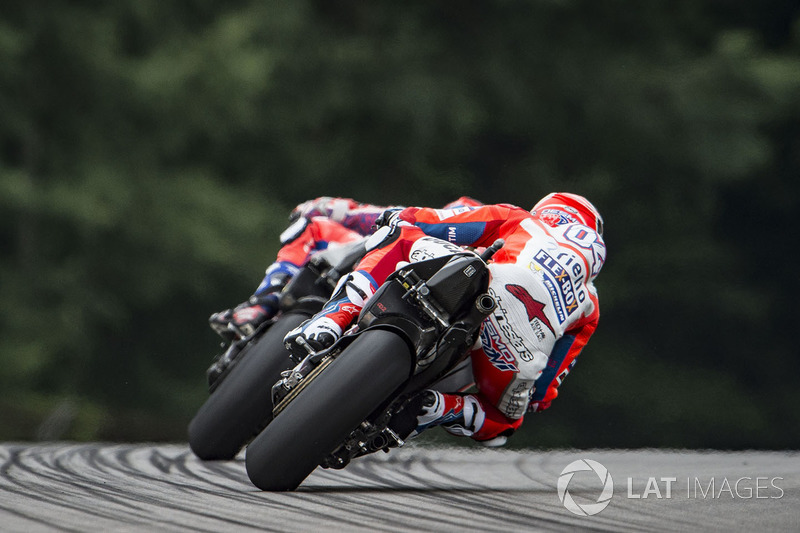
(242, 403)
(364, 375)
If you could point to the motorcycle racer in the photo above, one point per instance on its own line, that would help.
(318, 224)
(547, 305)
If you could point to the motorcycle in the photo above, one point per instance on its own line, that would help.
(339, 403)
(239, 405)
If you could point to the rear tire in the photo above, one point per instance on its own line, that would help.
(327, 410)
(242, 403)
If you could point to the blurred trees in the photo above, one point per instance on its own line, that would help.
(151, 151)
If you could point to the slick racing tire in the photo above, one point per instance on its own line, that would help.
(241, 405)
(319, 419)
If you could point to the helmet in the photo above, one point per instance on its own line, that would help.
(566, 208)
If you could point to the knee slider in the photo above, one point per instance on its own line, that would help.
(384, 236)
(357, 287)
(294, 230)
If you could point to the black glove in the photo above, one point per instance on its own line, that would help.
(313, 335)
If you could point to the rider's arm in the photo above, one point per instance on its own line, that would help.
(353, 215)
(307, 236)
(466, 226)
(296, 242)
(299, 242)
(562, 359)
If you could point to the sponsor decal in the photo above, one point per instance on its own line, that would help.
(534, 308)
(343, 305)
(507, 329)
(351, 309)
(518, 400)
(557, 217)
(496, 350)
(430, 248)
(420, 255)
(451, 233)
(538, 330)
(447, 213)
(558, 284)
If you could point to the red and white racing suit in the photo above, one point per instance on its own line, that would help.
(322, 223)
(319, 224)
(547, 306)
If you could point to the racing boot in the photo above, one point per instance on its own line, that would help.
(458, 414)
(242, 320)
(219, 323)
(326, 327)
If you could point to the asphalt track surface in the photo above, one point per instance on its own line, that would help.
(142, 487)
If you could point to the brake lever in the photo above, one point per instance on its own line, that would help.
(491, 250)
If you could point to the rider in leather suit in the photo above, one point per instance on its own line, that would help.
(547, 305)
(317, 225)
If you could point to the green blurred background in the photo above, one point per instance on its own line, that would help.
(151, 151)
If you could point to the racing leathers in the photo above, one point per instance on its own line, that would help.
(547, 307)
(317, 225)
